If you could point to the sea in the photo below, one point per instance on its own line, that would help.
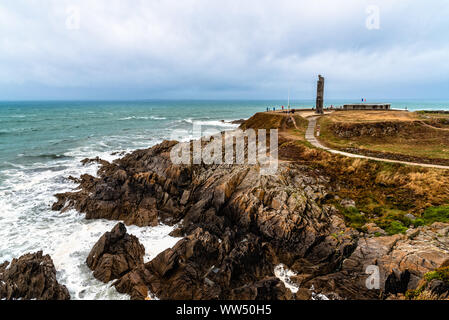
(43, 142)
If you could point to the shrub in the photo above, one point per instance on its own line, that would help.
(436, 214)
(438, 274)
(354, 217)
(396, 227)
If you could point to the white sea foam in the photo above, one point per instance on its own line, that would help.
(27, 223)
(284, 274)
(212, 123)
(142, 118)
(133, 118)
(317, 296)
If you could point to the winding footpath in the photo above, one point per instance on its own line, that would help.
(310, 137)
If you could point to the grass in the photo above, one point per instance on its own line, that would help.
(384, 193)
(407, 137)
(438, 274)
(269, 120)
(354, 217)
(441, 274)
(434, 214)
(395, 227)
(374, 116)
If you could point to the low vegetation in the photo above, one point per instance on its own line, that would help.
(393, 196)
(397, 133)
(434, 214)
(441, 274)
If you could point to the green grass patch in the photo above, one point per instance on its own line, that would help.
(393, 221)
(395, 227)
(438, 274)
(354, 217)
(435, 214)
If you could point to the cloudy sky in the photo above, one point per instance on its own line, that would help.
(217, 49)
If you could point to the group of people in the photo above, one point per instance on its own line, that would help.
(282, 108)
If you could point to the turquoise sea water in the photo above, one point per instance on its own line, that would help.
(42, 143)
(33, 132)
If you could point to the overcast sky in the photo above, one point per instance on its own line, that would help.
(210, 49)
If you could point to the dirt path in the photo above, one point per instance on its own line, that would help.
(429, 126)
(310, 137)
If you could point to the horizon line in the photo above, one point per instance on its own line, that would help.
(215, 99)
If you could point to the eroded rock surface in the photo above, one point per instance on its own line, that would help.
(403, 260)
(237, 226)
(115, 254)
(32, 276)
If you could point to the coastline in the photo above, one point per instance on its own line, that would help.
(243, 228)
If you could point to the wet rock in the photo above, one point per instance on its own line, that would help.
(115, 254)
(303, 294)
(32, 276)
(237, 226)
(134, 283)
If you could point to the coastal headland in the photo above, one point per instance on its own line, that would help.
(325, 226)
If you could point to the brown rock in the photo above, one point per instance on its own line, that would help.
(115, 254)
(32, 276)
(267, 289)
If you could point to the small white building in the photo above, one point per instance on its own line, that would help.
(367, 106)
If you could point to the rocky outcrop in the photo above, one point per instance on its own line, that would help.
(402, 260)
(140, 189)
(237, 226)
(202, 266)
(115, 254)
(32, 276)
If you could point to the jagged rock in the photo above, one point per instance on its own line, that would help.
(348, 203)
(32, 276)
(402, 261)
(134, 283)
(238, 226)
(397, 282)
(372, 228)
(267, 289)
(115, 254)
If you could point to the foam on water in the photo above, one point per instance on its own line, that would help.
(42, 143)
(284, 274)
(28, 224)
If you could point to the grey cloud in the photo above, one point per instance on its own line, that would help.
(223, 49)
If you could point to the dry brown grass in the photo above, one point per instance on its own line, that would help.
(264, 120)
(376, 187)
(429, 183)
(372, 116)
(410, 137)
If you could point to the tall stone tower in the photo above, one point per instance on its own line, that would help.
(320, 95)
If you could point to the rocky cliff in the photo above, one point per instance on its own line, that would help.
(238, 226)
